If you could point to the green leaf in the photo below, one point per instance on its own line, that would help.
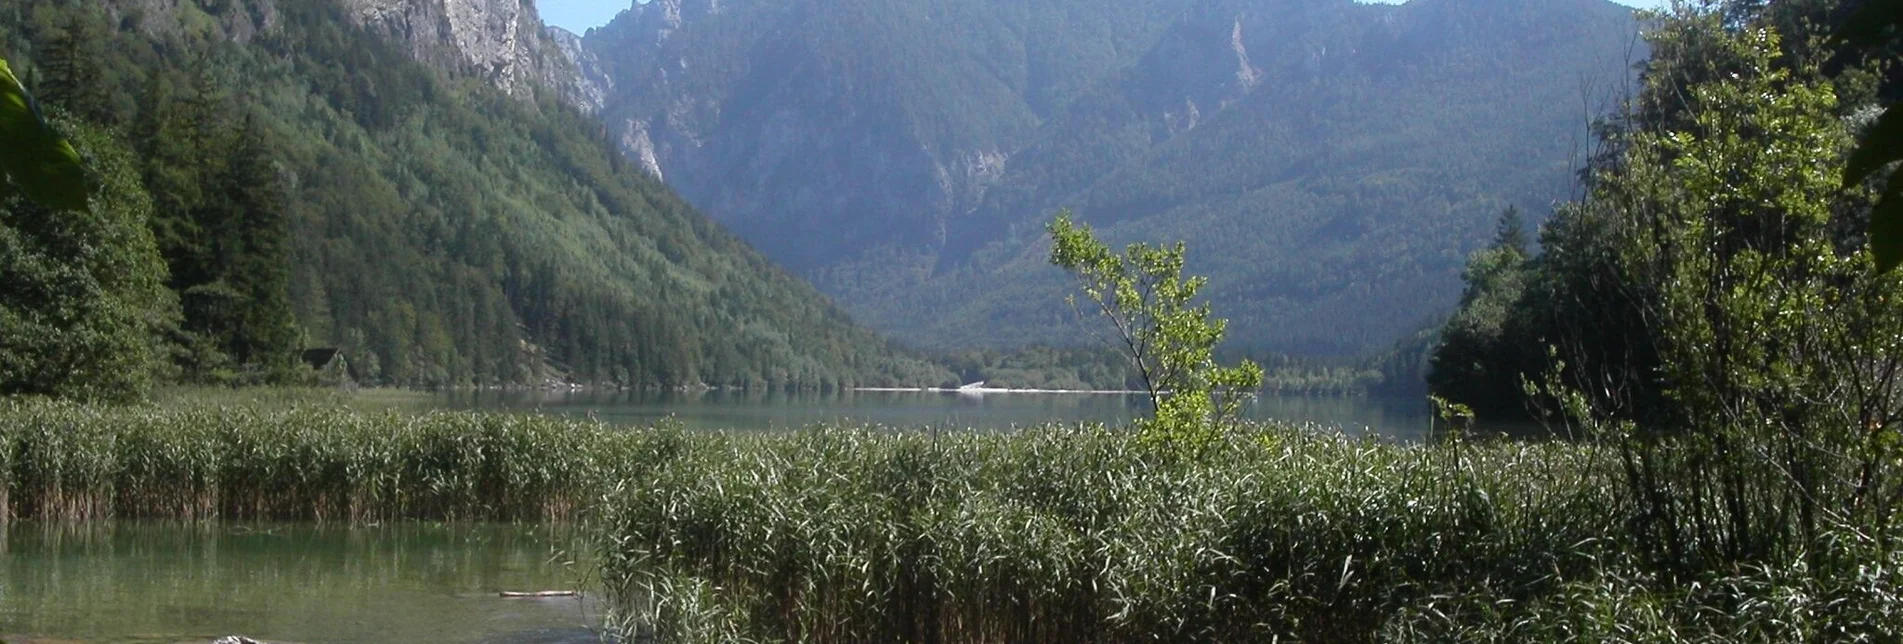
(1886, 228)
(1883, 145)
(32, 156)
(1867, 27)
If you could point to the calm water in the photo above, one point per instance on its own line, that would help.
(167, 582)
(753, 411)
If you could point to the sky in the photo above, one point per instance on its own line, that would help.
(581, 15)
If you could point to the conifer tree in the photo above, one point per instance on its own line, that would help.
(252, 250)
(170, 170)
(74, 66)
(1510, 231)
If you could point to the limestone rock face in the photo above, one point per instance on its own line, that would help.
(502, 41)
(589, 84)
(659, 19)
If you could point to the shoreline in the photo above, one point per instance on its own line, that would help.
(996, 390)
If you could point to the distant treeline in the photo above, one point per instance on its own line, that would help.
(1398, 371)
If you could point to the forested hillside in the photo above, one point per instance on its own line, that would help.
(308, 183)
(1330, 162)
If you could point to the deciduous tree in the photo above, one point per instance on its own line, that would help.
(1169, 338)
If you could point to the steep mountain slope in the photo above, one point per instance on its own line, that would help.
(1329, 162)
(458, 219)
(819, 129)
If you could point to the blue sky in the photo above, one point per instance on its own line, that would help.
(580, 15)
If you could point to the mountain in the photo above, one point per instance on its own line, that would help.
(1330, 163)
(426, 178)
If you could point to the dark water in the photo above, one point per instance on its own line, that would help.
(754, 411)
(168, 582)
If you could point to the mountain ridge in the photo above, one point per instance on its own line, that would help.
(900, 153)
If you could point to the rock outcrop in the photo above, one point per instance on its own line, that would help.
(589, 84)
(659, 19)
(502, 41)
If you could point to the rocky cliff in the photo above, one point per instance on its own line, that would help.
(502, 41)
(589, 84)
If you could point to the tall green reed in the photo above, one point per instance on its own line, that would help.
(69, 462)
(1081, 534)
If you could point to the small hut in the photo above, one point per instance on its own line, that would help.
(330, 365)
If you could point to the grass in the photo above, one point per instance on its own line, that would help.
(319, 461)
(1077, 534)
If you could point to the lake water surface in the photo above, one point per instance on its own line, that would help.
(171, 582)
(1404, 418)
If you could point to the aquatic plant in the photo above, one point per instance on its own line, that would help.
(70, 462)
(1081, 534)
(1055, 533)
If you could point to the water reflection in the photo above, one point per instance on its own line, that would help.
(170, 582)
(764, 411)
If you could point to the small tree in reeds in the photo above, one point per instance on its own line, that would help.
(1170, 340)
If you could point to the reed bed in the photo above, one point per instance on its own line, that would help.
(1078, 534)
(324, 462)
(1074, 534)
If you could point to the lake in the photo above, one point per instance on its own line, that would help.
(1403, 418)
(418, 582)
(171, 582)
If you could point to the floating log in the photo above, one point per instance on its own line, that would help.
(541, 593)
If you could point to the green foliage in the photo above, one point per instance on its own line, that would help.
(1709, 311)
(314, 185)
(37, 161)
(74, 74)
(247, 229)
(1170, 341)
(83, 303)
(1762, 316)
(1875, 24)
(1479, 359)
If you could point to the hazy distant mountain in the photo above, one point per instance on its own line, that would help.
(1329, 162)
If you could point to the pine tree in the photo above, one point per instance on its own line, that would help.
(204, 111)
(1510, 232)
(252, 250)
(170, 170)
(74, 65)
